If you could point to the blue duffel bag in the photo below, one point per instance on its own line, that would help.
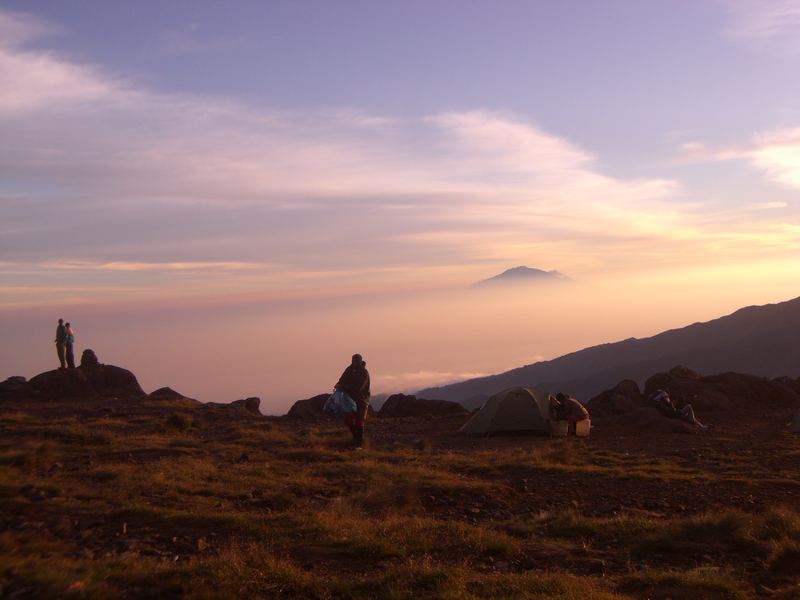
(339, 403)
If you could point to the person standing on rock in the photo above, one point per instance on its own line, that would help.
(61, 342)
(70, 343)
(355, 383)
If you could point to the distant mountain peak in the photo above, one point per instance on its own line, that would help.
(523, 274)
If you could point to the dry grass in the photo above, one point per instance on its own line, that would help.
(132, 502)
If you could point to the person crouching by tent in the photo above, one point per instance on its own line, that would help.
(355, 383)
(663, 403)
(571, 410)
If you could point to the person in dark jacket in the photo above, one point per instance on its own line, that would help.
(355, 383)
(572, 410)
(61, 342)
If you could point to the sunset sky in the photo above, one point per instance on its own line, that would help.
(230, 199)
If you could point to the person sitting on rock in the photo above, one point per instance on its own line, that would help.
(663, 403)
(355, 382)
(572, 410)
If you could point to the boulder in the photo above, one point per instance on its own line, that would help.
(647, 418)
(751, 390)
(68, 384)
(401, 405)
(792, 384)
(90, 380)
(89, 358)
(622, 398)
(15, 388)
(310, 409)
(723, 391)
(250, 405)
(112, 382)
(166, 393)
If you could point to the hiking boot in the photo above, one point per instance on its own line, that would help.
(358, 437)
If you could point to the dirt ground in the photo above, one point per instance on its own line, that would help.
(99, 492)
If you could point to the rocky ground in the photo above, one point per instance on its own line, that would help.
(161, 497)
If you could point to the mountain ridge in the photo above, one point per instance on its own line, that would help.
(762, 340)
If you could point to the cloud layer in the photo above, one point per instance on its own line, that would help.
(125, 186)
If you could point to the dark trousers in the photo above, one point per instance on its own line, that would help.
(70, 357)
(60, 352)
(355, 422)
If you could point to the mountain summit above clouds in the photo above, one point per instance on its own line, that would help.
(522, 274)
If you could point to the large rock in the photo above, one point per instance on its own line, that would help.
(622, 398)
(67, 384)
(250, 405)
(792, 384)
(15, 388)
(92, 379)
(647, 418)
(112, 382)
(722, 392)
(89, 358)
(400, 405)
(310, 409)
(166, 393)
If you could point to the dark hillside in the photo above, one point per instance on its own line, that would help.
(761, 340)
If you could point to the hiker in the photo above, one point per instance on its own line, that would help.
(572, 410)
(61, 341)
(663, 403)
(355, 383)
(70, 342)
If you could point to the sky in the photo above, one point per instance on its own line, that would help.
(232, 199)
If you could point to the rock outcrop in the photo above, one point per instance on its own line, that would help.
(723, 391)
(401, 405)
(250, 405)
(91, 380)
(621, 399)
(15, 388)
(647, 418)
(166, 393)
(310, 409)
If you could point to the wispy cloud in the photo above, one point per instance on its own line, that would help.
(775, 153)
(414, 380)
(83, 265)
(770, 24)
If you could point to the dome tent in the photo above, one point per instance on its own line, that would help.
(515, 410)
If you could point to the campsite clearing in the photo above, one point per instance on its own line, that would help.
(159, 499)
